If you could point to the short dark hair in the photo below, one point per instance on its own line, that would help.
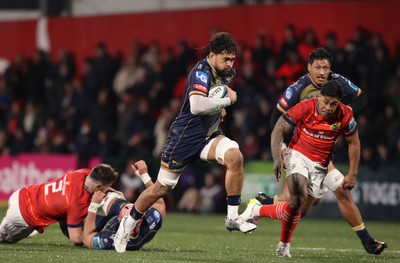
(103, 174)
(223, 43)
(332, 89)
(318, 54)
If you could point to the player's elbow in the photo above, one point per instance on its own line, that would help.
(76, 240)
(195, 111)
(87, 241)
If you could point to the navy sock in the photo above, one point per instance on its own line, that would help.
(268, 201)
(135, 213)
(233, 200)
(364, 236)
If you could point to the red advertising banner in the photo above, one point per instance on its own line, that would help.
(26, 169)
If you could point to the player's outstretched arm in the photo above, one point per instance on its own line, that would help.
(89, 229)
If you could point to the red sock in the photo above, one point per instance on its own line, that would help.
(284, 212)
(274, 211)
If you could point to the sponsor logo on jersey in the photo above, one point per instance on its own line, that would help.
(200, 87)
(283, 102)
(352, 124)
(157, 215)
(288, 93)
(335, 126)
(201, 76)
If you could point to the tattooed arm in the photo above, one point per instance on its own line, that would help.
(281, 128)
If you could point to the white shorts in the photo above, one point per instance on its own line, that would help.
(315, 173)
(13, 227)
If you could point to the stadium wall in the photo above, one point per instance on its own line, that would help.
(81, 34)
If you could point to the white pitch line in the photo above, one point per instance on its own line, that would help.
(341, 250)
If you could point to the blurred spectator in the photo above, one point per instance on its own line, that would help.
(85, 144)
(261, 51)
(15, 76)
(104, 66)
(289, 44)
(211, 196)
(291, 69)
(308, 44)
(36, 74)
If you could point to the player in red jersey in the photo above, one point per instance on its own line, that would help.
(67, 198)
(309, 86)
(317, 123)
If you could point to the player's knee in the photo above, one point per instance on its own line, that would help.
(343, 195)
(234, 159)
(167, 181)
(227, 153)
(333, 180)
(298, 201)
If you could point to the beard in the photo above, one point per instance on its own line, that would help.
(223, 73)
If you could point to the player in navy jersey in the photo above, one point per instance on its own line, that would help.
(309, 86)
(195, 135)
(99, 231)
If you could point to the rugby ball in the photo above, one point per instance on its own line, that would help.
(217, 91)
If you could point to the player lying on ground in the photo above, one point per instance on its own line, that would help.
(65, 199)
(99, 231)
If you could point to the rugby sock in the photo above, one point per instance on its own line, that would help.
(282, 211)
(136, 214)
(362, 233)
(233, 202)
(289, 222)
(274, 211)
(268, 200)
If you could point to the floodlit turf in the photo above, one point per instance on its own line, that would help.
(196, 238)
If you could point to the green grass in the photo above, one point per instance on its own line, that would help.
(196, 238)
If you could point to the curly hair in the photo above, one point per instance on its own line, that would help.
(223, 43)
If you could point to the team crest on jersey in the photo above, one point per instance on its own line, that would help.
(335, 126)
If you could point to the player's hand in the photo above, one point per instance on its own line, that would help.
(278, 165)
(223, 114)
(140, 167)
(231, 94)
(349, 182)
(98, 197)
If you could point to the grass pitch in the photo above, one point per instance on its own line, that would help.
(199, 238)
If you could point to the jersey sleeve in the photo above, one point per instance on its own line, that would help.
(350, 125)
(199, 81)
(291, 96)
(349, 89)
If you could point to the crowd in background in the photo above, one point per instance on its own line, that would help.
(120, 105)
